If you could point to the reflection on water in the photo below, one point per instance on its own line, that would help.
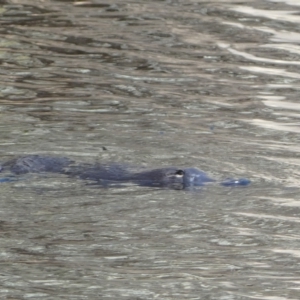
(208, 84)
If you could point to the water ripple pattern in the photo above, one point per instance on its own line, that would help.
(207, 84)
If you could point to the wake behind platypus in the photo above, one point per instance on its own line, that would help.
(115, 173)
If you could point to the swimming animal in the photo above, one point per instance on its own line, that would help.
(114, 173)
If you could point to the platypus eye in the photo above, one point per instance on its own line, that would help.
(179, 173)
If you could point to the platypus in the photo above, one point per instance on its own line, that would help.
(115, 173)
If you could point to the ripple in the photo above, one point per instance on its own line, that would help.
(207, 84)
(279, 15)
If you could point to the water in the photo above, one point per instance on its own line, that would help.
(210, 84)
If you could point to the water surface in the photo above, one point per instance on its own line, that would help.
(210, 84)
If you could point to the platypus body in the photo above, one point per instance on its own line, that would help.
(107, 174)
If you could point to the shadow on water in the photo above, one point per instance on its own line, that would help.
(207, 84)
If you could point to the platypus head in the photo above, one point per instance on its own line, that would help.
(180, 179)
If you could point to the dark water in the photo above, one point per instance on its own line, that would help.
(210, 84)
